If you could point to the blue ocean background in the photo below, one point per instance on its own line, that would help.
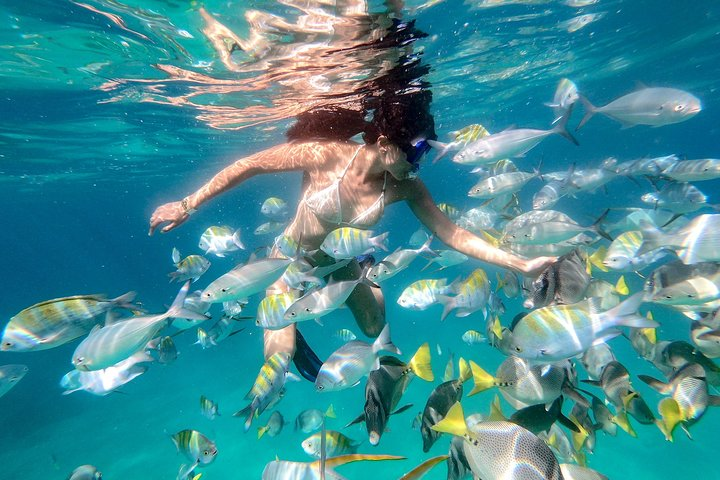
(81, 171)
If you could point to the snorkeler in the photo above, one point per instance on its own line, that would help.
(346, 183)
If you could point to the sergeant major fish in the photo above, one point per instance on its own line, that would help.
(189, 268)
(220, 241)
(55, 322)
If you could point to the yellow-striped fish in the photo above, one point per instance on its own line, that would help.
(272, 309)
(208, 408)
(349, 242)
(55, 322)
(461, 138)
(335, 443)
(195, 446)
(267, 387)
(472, 295)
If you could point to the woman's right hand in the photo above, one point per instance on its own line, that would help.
(172, 212)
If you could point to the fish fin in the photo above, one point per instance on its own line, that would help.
(621, 287)
(622, 421)
(627, 308)
(330, 412)
(261, 431)
(561, 127)
(236, 240)
(442, 149)
(420, 363)
(402, 409)
(714, 400)
(496, 413)
(567, 423)
(671, 415)
(420, 471)
(292, 377)
(590, 110)
(465, 371)
(656, 384)
(359, 419)
(482, 379)
(425, 247)
(380, 241)
(176, 255)
(453, 423)
(448, 305)
(125, 301)
(383, 342)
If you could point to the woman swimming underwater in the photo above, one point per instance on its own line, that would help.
(346, 183)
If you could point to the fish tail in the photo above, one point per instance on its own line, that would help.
(482, 379)
(420, 363)
(625, 313)
(561, 127)
(383, 342)
(465, 370)
(448, 303)
(425, 248)
(590, 110)
(125, 301)
(597, 225)
(237, 241)
(453, 423)
(261, 431)
(330, 412)
(442, 149)
(671, 416)
(380, 241)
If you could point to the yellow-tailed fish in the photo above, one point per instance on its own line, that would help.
(439, 402)
(310, 420)
(498, 450)
(273, 426)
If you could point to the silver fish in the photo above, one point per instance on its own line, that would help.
(108, 345)
(85, 472)
(10, 375)
(647, 106)
(348, 364)
(105, 381)
(563, 282)
(245, 280)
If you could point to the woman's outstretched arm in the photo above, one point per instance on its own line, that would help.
(282, 158)
(421, 203)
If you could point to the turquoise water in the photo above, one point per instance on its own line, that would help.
(95, 134)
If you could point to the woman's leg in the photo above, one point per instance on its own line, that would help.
(366, 303)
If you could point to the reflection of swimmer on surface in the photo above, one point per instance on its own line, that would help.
(349, 184)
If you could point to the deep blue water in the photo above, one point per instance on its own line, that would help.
(82, 169)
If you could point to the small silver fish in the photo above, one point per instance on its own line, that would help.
(10, 375)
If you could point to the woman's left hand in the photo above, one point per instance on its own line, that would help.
(535, 266)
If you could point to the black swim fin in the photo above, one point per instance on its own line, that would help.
(305, 359)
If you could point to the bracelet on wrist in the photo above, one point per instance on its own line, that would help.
(186, 208)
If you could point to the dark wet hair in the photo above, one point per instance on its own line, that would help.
(396, 104)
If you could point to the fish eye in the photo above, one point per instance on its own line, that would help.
(518, 349)
(224, 290)
(308, 310)
(320, 387)
(79, 360)
(206, 452)
(679, 108)
(292, 314)
(7, 344)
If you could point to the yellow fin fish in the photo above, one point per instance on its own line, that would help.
(420, 363)
(621, 287)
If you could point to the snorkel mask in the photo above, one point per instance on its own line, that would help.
(415, 154)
